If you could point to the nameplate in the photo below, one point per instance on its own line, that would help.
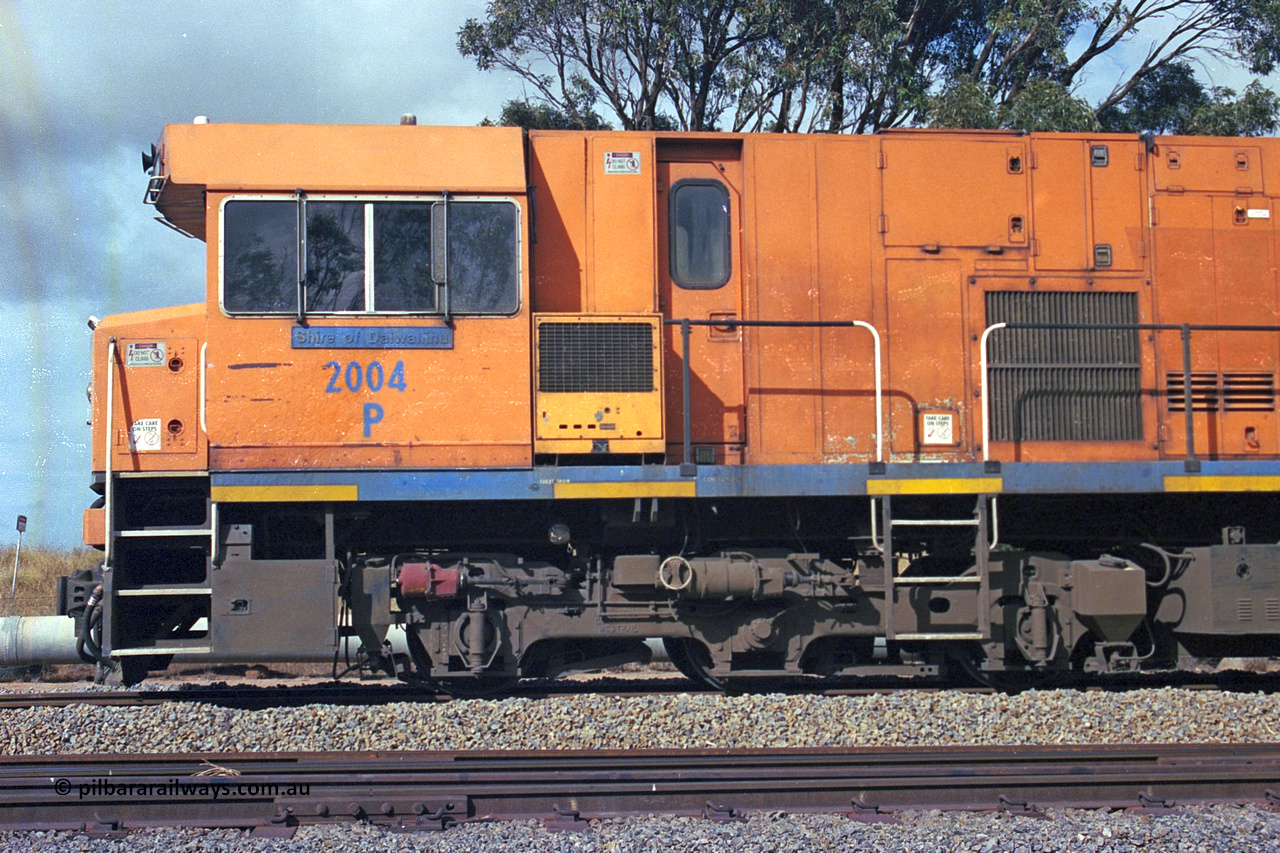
(372, 337)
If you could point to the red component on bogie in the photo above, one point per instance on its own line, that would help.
(427, 580)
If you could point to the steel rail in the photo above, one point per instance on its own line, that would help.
(341, 693)
(292, 696)
(433, 790)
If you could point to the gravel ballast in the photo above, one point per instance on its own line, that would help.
(906, 718)
(663, 721)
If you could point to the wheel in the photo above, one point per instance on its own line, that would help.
(131, 670)
(461, 687)
(693, 660)
(1011, 682)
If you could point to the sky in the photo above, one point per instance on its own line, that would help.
(85, 85)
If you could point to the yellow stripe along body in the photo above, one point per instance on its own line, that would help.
(283, 494)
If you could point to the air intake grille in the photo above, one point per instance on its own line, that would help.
(1064, 384)
(1231, 392)
(1204, 392)
(1248, 392)
(1244, 610)
(583, 357)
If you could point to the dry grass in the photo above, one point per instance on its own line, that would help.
(38, 572)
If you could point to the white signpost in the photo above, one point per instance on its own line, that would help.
(22, 528)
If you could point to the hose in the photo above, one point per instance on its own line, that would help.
(1168, 563)
(89, 647)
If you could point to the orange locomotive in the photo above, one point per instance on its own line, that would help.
(792, 404)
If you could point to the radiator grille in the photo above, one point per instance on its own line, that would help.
(1064, 384)
(1231, 392)
(584, 357)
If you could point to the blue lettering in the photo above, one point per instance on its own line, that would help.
(332, 387)
(376, 337)
(354, 376)
(397, 378)
(372, 415)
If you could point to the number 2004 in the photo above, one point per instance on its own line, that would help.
(373, 377)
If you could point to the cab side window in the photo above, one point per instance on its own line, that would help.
(418, 257)
(482, 257)
(335, 256)
(402, 257)
(259, 256)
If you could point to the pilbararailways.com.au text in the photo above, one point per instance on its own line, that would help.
(175, 789)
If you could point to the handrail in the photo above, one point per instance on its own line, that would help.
(687, 466)
(1191, 464)
(204, 423)
(982, 385)
(106, 486)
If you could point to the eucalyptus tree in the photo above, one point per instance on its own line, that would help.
(841, 66)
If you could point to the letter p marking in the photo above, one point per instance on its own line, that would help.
(372, 415)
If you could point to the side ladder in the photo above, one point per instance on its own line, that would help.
(984, 519)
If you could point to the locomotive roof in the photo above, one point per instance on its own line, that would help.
(194, 158)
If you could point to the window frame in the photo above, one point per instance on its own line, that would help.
(369, 200)
(672, 227)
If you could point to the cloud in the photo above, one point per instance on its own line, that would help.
(44, 459)
(86, 86)
(111, 71)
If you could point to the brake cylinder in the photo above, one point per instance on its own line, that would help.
(427, 580)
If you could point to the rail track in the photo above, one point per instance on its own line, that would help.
(380, 693)
(241, 696)
(251, 696)
(276, 792)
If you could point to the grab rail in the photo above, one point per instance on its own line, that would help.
(107, 496)
(687, 466)
(1190, 464)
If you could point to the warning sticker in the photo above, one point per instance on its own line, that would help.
(149, 354)
(938, 429)
(1255, 213)
(144, 435)
(622, 162)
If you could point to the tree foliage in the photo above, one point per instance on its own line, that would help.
(863, 65)
(1173, 101)
(1252, 114)
(575, 53)
(1039, 105)
(533, 115)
